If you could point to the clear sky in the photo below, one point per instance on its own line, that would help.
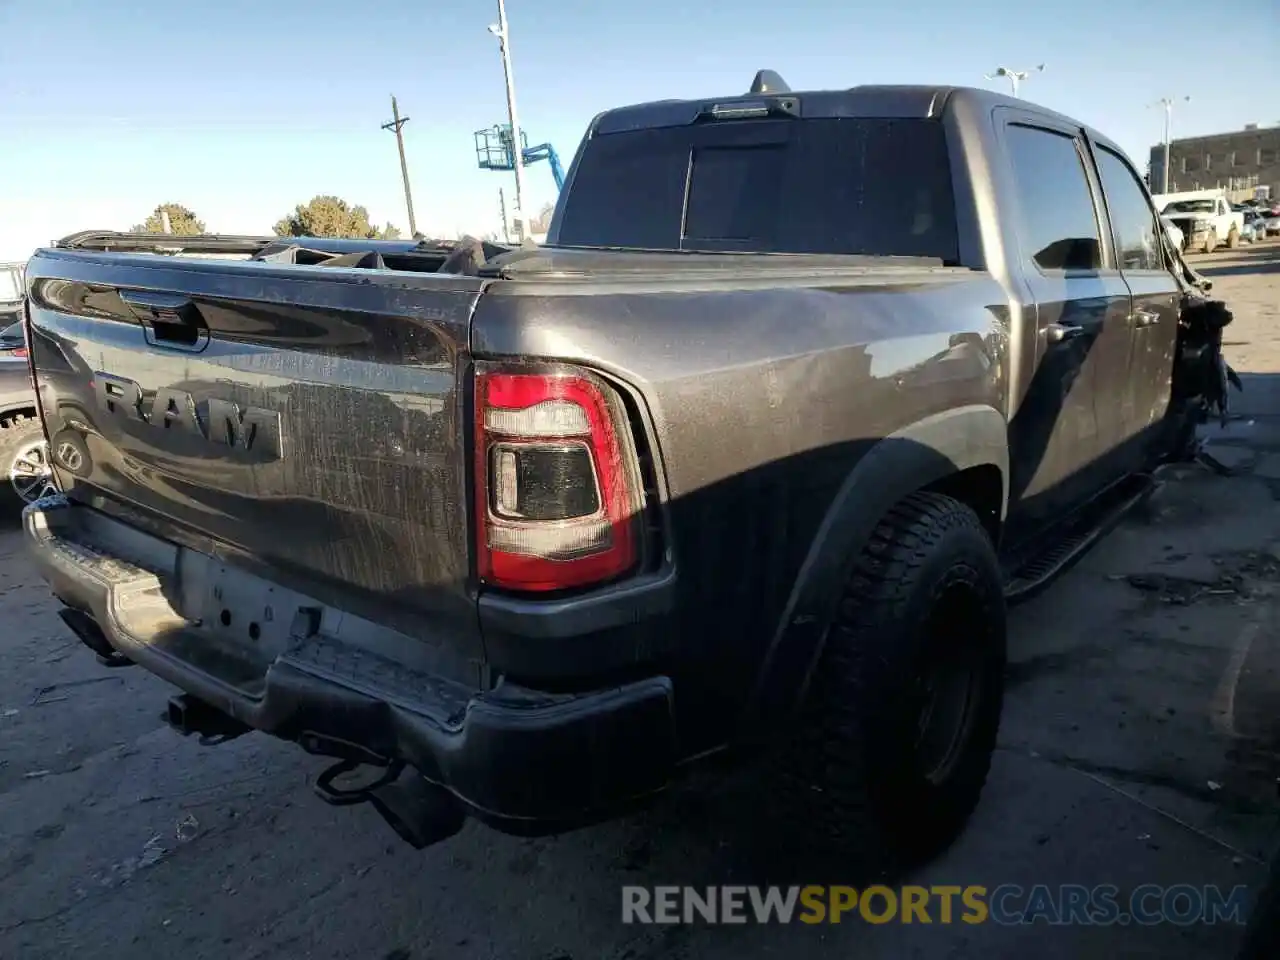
(241, 109)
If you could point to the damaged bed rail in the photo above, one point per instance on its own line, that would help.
(246, 245)
(420, 255)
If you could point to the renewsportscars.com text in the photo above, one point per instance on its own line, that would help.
(1007, 904)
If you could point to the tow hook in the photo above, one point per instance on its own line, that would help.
(187, 715)
(420, 812)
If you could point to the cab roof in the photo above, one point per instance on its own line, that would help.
(872, 101)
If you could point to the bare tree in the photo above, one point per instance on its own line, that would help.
(542, 222)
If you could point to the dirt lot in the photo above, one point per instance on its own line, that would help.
(1139, 746)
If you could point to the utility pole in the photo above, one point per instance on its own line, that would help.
(1015, 77)
(499, 30)
(396, 124)
(502, 206)
(1167, 103)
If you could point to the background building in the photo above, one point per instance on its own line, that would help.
(1240, 160)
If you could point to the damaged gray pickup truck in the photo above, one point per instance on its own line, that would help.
(745, 463)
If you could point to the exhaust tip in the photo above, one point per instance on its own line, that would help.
(420, 812)
(90, 634)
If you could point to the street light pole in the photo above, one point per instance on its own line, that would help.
(1167, 103)
(499, 30)
(1015, 77)
(396, 123)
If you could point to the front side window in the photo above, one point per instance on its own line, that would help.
(1132, 220)
(1058, 224)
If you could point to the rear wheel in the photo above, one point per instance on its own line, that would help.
(896, 738)
(24, 455)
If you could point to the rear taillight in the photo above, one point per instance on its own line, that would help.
(20, 352)
(557, 490)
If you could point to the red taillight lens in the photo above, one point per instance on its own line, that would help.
(556, 490)
(20, 352)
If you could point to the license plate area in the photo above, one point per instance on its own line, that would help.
(242, 609)
(238, 609)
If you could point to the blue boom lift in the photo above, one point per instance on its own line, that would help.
(494, 152)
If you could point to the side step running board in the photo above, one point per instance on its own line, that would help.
(1036, 572)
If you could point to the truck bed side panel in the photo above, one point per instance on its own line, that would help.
(762, 402)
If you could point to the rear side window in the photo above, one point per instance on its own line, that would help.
(855, 186)
(1132, 219)
(1057, 222)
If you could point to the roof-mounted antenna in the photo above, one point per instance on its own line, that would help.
(768, 81)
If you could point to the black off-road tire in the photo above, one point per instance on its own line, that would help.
(853, 778)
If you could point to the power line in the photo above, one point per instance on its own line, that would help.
(396, 124)
(500, 31)
(1167, 103)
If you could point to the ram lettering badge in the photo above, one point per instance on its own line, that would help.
(219, 422)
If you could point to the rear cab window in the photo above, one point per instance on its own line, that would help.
(820, 185)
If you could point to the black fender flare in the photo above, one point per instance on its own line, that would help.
(923, 453)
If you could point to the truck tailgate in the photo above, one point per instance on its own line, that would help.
(305, 419)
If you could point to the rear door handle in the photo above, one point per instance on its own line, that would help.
(1145, 318)
(1058, 332)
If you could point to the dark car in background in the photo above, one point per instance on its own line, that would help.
(12, 291)
(12, 343)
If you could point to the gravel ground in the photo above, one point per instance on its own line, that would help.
(1139, 746)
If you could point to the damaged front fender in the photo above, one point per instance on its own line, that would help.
(1202, 377)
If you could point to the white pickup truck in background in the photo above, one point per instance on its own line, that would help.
(1174, 232)
(1205, 218)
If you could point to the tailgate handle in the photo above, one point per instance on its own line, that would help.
(170, 319)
